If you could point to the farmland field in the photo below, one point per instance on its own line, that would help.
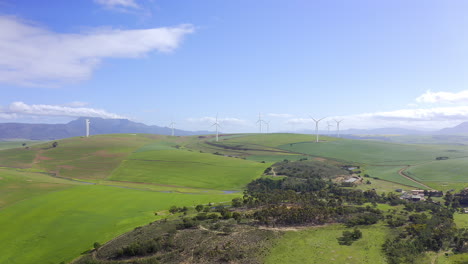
(190, 169)
(442, 172)
(379, 153)
(66, 223)
(319, 245)
(89, 190)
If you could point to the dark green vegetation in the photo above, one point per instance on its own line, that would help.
(85, 191)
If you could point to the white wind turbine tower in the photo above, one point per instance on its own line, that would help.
(338, 126)
(216, 124)
(87, 127)
(172, 127)
(328, 126)
(259, 121)
(316, 127)
(267, 123)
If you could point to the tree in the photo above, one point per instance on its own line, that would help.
(55, 144)
(96, 245)
(199, 207)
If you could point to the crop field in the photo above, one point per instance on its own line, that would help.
(66, 223)
(442, 173)
(17, 144)
(319, 245)
(189, 169)
(377, 153)
(390, 173)
(275, 140)
(17, 185)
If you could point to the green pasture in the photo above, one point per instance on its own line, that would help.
(17, 185)
(442, 173)
(389, 173)
(88, 158)
(319, 245)
(375, 152)
(58, 226)
(275, 158)
(461, 220)
(188, 169)
(17, 144)
(276, 139)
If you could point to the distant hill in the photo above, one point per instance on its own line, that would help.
(77, 128)
(459, 129)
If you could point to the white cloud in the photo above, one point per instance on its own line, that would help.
(118, 3)
(443, 97)
(429, 114)
(31, 55)
(17, 109)
(280, 115)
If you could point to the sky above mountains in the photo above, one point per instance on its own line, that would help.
(371, 63)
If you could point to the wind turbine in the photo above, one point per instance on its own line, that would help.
(87, 127)
(338, 126)
(259, 121)
(328, 126)
(171, 125)
(316, 127)
(216, 124)
(267, 125)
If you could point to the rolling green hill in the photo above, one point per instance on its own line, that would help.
(84, 190)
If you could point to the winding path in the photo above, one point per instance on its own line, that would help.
(402, 173)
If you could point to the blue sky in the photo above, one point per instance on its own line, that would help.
(371, 63)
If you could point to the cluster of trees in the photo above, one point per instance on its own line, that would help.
(308, 196)
(148, 247)
(349, 237)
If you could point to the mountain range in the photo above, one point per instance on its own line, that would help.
(112, 126)
(77, 128)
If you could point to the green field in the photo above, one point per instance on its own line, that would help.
(17, 144)
(112, 183)
(58, 226)
(377, 153)
(319, 245)
(389, 173)
(442, 173)
(189, 169)
(17, 185)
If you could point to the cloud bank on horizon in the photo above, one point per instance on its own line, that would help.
(19, 109)
(31, 55)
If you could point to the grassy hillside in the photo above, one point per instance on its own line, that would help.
(442, 173)
(374, 152)
(17, 185)
(188, 168)
(58, 226)
(136, 175)
(319, 245)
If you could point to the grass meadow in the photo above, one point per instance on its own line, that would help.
(59, 225)
(188, 169)
(50, 219)
(318, 245)
(442, 174)
(377, 153)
